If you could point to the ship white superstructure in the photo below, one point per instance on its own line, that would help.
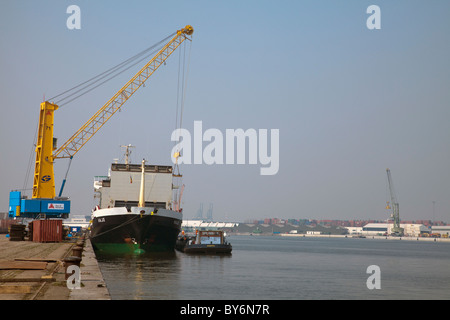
(122, 185)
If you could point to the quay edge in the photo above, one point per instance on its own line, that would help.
(48, 283)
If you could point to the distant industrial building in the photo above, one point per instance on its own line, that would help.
(209, 213)
(191, 225)
(373, 229)
(368, 229)
(442, 230)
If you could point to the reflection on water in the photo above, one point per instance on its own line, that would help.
(166, 276)
(144, 276)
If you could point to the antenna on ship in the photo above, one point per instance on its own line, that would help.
(127, 152)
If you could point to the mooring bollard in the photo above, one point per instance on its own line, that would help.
(71, 261)
(80, 243)
(76, 251)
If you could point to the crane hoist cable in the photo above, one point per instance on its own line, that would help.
(144, 54)
(181, 91)
(181, 97)
(185, 85)
(30, 159)
(178, 89)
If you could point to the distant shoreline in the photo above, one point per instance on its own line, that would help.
(447, 240)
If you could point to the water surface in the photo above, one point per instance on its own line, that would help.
(280, 268)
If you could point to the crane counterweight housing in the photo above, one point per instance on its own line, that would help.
(44, 200)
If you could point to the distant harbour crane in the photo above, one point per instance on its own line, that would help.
(396, 230)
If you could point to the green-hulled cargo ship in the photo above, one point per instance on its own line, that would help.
(121, 224)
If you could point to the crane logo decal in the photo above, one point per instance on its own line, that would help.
(55, 206)
(46, 178)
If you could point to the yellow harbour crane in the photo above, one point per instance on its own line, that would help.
(44, 198)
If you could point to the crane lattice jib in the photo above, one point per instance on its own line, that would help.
(79, 139)
(391, 186)
(395, 206)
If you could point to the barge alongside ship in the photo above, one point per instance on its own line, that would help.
(120, 224)
(205, 242)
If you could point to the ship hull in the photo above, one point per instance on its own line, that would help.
(134, 233)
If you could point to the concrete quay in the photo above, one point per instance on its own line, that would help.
(93, 287)
(36, 271)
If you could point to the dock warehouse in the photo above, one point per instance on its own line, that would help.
(206, 225)
(442, 230)
(413, 230)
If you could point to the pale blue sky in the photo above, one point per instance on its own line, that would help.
(349, 102)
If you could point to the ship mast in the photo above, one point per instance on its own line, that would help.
(142, 191)
(127, 152)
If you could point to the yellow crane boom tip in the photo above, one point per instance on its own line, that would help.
(188, 30)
